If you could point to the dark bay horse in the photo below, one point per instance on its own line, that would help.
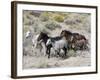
(79, 41)
(75, 40)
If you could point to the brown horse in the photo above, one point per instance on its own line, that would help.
(79, 41)
(76, 41)
(66, 34)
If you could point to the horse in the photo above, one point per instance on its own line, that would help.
(76, 41)
(57, 45)
(27, 34)
(79, 41)
(34, 41)
(68, 36)
(43, 38)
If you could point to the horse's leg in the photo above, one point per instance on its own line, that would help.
(65, 51)
(74, 47)
(58, 52)
(44, 48)
(49, 52)
(35, 44)
(46, 51)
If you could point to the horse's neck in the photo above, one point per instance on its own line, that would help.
(64, 38)
(45, 39)
(53, 43)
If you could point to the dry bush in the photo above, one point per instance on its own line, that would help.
(35, 13)
(52, 25)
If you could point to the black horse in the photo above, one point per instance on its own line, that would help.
(43, 37)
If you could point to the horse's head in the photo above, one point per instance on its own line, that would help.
(65, 33)
(42, 36)
(49, 42)
(28, 34)
(62, 33)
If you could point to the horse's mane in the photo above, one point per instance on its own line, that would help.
(68, 32)
(44, 34)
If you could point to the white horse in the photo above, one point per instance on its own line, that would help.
(58, 45)
(27, 34)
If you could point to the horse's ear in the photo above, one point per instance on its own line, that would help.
(41, 32)
(62, 30)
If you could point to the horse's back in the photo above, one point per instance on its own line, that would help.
(57, 38)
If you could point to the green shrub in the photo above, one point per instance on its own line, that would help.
(59, 18)
(71, 53)
(44, 16)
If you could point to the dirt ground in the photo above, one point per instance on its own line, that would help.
(44, 62)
